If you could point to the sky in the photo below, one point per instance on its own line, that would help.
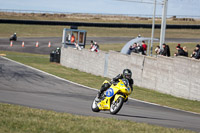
(185, 8)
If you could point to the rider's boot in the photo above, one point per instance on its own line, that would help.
(104, 87)
(98, 98)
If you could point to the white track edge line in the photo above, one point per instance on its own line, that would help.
(50, 74)
(94, 88)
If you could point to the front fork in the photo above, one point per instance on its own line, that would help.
(119, 95)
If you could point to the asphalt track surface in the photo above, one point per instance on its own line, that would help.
(56, 42)
(26, 86)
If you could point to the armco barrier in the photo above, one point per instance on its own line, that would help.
(177, 76)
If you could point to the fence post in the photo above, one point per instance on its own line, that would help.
(106, 65)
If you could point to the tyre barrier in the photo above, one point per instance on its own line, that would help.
(55, 57)
(109, 25)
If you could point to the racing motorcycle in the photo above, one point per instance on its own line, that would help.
(113, 98)
(13, 37)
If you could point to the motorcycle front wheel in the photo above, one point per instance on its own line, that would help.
(116, 105)
(94, 106)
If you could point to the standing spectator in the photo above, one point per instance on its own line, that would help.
(68, 37)
(166, 50)
(197, 56)
(130, 49)
(91, 44)
(72, 38)
(157, 50)
(133, 48)
(94, 47)
(144, 46)
(140, 49)
(185, 50)
(180, 52)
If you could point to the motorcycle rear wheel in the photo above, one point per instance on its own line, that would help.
(116, 105)
(94, 106)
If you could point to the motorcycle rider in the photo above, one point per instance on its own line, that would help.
(14, 37)
(127, 74)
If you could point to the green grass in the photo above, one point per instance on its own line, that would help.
(56, 31)
(18, 119)
(42, 62)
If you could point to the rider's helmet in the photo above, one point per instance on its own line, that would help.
(127, 74)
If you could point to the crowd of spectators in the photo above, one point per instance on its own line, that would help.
(142, 49)
(182, 51)
(165, 51)
(137, 48)
(94, 47)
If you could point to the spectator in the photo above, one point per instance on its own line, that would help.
(179, 45)
(130, 49)
(181, 52)
(94, 47)
(166, 50)
(185, 50)
(140, 49)
(194, 53)
(133, 48)
(68, 37)
(77, 46)
(197, 55)
(72, 38)
(91, 44)
(144, 46)
(97, 46)
(157, 50)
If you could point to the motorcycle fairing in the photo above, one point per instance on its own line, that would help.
(110, 92)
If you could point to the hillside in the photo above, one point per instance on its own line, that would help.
(94, 18)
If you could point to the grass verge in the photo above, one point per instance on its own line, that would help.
(42, 62)
(56, 31)
(18, 119)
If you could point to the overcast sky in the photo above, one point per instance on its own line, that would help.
(175, 7)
